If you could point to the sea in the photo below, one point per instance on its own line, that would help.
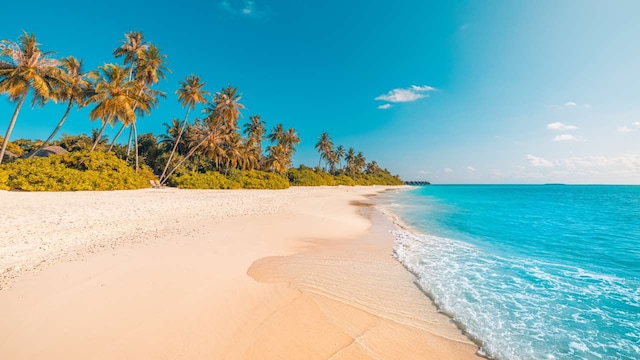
(528, 271)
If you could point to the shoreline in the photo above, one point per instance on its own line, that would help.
(293, 278)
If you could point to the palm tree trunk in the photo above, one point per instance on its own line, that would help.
(135, 135)
(129, 143)
(11, 125)
(191, 152)
(116, 138)
(55, 131)
(175, 146)
(95, 143)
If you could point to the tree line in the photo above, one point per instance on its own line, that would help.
(119, 94)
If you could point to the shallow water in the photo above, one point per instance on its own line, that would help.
(532, 272)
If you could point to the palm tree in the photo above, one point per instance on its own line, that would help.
(277, 158)
(372, 167)
(208, 135)
(340, 153)
(131, 49)
(227, 105)
(324, 146)
(359, 162)
(349, 159)
(75, 90)
(190, 93)
(151, 67)
(24, 67)
(115, 97)
(277, 134)
(255, 130)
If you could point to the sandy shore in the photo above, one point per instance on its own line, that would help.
(304, 273)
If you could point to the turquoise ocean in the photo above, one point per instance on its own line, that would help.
(529, 272)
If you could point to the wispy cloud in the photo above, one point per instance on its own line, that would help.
(384, 106)
(471, 168)
(624, 129)
(637, 123)
(243, 7)
(448, 170)
(566, 137)
(570, 104)
(409, 94)
(560, 126)
(537, 161)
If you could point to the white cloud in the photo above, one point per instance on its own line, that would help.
(412, 93)
(538, 161)
(448, 170)
(624, 129)
(570, 104)
(242, 7)
(560, 126)
(424, 172)
(471, 168)
(384, 106)
(637, 123)
(565, 137)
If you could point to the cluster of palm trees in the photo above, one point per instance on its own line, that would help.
(120, 94)
(355, 163)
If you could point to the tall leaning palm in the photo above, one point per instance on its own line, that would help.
(190, 93)
(75, 90)
(227, 106)
(114, 98)
(24, 67)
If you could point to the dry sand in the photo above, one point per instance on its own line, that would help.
(175, 274)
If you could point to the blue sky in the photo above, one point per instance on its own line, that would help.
(452, 92)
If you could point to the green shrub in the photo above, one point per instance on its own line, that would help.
(305, 176)
(4, 178)
(235, 179)
(73, 172)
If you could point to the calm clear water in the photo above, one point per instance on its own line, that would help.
(532, 272)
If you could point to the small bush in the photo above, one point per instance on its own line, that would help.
(73, 172)
(236, 179)
(4, 178)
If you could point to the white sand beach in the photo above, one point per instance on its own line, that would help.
(303, 273)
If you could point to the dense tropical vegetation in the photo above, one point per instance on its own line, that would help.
(211, 151)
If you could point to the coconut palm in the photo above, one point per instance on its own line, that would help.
(349, 159)
(277, 158)
(227, 106)
(359, 162)
(372, 167)
(150, 68)
(190, 93)
(24, 67)
(115, 98)
(75, 90)
(255, 130)
(324, 146)
(208, 136)
(131, 49)
(277, 134)
(340, 153)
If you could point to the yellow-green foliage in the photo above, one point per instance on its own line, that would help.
(305, 176)
(74, 171)
(236, 179)
(15, 149)
(4, 177)
(309, 177)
